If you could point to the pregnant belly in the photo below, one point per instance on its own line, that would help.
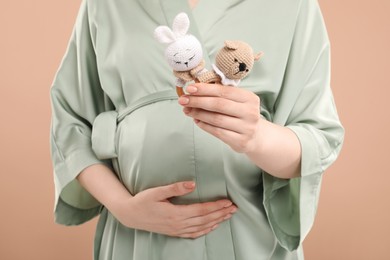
(158, 145)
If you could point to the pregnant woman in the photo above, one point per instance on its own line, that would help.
(221, 173)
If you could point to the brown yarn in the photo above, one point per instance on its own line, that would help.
(229, 59)
(190, 75)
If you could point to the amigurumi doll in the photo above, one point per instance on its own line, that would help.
(184, 52)
(232, 63)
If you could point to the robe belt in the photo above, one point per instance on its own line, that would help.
(106, 123)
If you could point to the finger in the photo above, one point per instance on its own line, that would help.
(172, 190)
(194, 235)
(195, 229)
(218, 90)
(238, 142)
(198, 223)
(213, 104)
(201, 209)
(220, 120)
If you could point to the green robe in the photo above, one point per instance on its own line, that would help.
(113, 102)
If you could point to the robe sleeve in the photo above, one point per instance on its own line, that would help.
(306, 106)
(76, 99)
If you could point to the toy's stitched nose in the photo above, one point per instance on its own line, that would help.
(186, 63)
(242, 66)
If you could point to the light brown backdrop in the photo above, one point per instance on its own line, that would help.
(354, 211)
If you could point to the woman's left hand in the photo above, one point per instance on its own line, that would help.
(229, 113)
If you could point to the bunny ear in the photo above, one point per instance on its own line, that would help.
(181, 24)
(164, 34)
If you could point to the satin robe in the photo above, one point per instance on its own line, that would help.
(113, 102)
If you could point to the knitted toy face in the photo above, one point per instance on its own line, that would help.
(184, 51)
(236, 59)
(184, 54)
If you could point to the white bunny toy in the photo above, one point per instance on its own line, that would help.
(184, 52)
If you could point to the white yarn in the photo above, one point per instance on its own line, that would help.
(224, 80)
(184, 51)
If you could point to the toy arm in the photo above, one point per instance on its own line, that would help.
(209, 77)
(184, 75)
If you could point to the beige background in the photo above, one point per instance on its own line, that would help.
(354, 212)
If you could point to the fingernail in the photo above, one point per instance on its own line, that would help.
(189, 185)
(184, 100)
(227, 217)
(191, 89)
(214, 227)
(233, 210)
(228, 204)
(186, 110)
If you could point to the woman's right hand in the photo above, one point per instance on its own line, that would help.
(151, 210)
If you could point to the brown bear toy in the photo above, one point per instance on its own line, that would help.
(232, 63)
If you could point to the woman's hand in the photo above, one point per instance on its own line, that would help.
(229, 113)
(152, 211)
(233, 115)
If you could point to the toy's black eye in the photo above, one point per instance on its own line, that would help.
(178, 62)
(191, 57)
(246, 70)
(235, 60)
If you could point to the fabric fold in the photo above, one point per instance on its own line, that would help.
(76, 83)
(291, 205)
(103, 135)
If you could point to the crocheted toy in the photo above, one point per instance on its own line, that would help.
(232, 63)
(184, 52)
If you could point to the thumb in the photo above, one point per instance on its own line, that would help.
(173, 190)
